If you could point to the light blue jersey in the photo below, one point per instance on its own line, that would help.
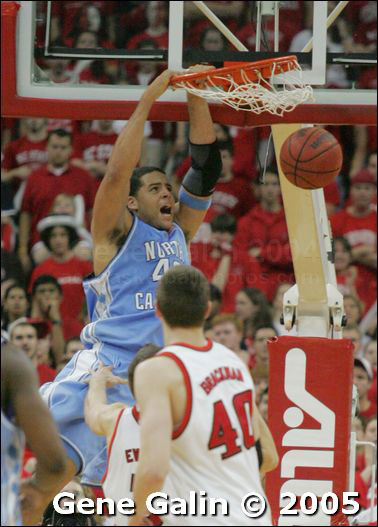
(121, 300)
(121, 307)
(12, 448)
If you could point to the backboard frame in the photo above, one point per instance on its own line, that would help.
(22, 97)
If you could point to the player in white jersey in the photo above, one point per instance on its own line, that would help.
(25, 415)
(199, 424)
(119, 423)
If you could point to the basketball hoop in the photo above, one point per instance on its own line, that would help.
(250, 86)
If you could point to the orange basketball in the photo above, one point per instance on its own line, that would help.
(311, 158)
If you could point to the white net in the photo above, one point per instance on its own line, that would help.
(277, 95)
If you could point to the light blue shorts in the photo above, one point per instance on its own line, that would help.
(65, 399)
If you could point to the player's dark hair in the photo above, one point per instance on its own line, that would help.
(136, 177)
(182, 297)
(46, 279)
(148, 351)
(60, 132)
(223, 223)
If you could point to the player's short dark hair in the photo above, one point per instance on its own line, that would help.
(182, 297)
(136, 177)
(46, 279)
(148, 351)
(60, 132)
(223, 223)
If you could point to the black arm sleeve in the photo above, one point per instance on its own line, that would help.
(206, 169)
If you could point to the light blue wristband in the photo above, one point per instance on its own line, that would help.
(192, 201)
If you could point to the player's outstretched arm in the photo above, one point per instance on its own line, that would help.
(100, 416)
(262, 433)
(199, 182)
(111, 197)
(152, 383)
(21, 391)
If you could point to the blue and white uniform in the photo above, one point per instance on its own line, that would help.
(12, 449)
(121, 302)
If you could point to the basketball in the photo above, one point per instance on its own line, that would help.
(311, 158)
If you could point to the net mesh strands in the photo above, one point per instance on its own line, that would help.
(252, 86)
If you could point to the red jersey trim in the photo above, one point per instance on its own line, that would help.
(135, 414)
(111, 442)
(189, 392)
(207, 347)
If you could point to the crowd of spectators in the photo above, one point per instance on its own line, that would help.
(51, 170)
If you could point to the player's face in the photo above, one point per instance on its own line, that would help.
(25, 338)
(16, 302)
(361, 380)
(154, 202)
(342, 257)
(59, 241)
(228, 335)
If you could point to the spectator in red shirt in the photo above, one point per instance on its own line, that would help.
(263, 233)
(349, 279)
(358, 222)
(46, 299)
(59, 233)
(362, 378)
(26, 154)
(45, 184)
(157, 30)
(95, 148)
(24, 335)
(14, 305)
(226, 267)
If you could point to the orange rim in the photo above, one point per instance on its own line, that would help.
(255, 70)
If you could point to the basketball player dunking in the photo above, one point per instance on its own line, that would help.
(138, 234)
(199, 424)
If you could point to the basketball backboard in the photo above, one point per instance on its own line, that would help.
(27, 48)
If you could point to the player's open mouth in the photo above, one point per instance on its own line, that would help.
(166, 210)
